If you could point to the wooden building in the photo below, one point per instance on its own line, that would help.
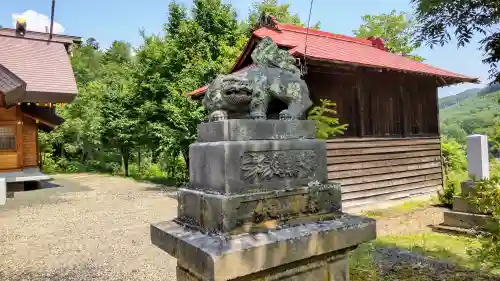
(391, 149)
(35, 75)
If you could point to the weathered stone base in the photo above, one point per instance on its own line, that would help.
(466, 220)
(463, 205)
(221, 258)
(329, 267)
(467, 188)
(222, 213)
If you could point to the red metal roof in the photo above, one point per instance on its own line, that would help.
(43, 65)
(336, 48)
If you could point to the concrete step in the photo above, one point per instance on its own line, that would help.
(466, 220)
(457, 230)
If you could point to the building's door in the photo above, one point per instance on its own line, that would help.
(8, 145)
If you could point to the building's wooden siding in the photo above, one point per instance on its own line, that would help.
(378, 104)
(8, 114)
(25, 154)
(30, 155)
(8, 160)
(374, 170)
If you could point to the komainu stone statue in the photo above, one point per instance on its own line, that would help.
(259, 205)
(247, 93)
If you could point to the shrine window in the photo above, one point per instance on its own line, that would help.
(7, 138)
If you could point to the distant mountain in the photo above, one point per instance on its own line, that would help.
(472, 113)
(489, 89)
(452, 100)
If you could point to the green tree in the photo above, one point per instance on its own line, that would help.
(271, 7)
(119, 53)
(120, 129)
(86, 62)
(327, 125)
(190, 53)
(177, 14)
(119, 114)
(396, 29)
(439, 20)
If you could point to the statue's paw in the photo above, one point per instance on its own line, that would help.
(218, 115)
(258, 116)
(285, 115)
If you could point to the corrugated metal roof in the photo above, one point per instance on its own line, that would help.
(44, 66)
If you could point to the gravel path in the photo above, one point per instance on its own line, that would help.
(94, 227)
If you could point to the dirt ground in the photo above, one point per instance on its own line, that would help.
(94, 227)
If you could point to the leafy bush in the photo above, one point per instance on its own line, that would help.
(455, 165)
(326, 124)
(49, 164)
(451, 188)
(454, 156)
(71, 166)
(487, 198)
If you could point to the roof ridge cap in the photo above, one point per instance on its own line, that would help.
(40, 36)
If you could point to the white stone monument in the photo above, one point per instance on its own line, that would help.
(477, 157)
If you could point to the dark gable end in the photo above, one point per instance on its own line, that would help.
(12, 88)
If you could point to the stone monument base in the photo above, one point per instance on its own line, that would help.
(464, 214)
(308, 252)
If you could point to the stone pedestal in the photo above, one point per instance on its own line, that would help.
(259, 207)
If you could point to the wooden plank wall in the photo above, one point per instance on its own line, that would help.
(378, 104)
(30, 155)
(374, 170)
(8, 160)
(8, 114)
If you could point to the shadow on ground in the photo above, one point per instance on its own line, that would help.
(387, 261)
(48, 192)
(84, 271)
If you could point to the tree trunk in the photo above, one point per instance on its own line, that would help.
(83, 152)
(125, 158)
(154, 156)
(139, 158)
(185, 154)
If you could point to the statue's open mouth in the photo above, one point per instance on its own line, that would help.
(238, 93)
(240, 97)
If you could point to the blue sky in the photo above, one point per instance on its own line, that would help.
(109, 20)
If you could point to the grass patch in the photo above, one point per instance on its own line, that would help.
(440, 246)
(402, 209)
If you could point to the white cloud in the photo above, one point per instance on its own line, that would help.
(37, 22)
